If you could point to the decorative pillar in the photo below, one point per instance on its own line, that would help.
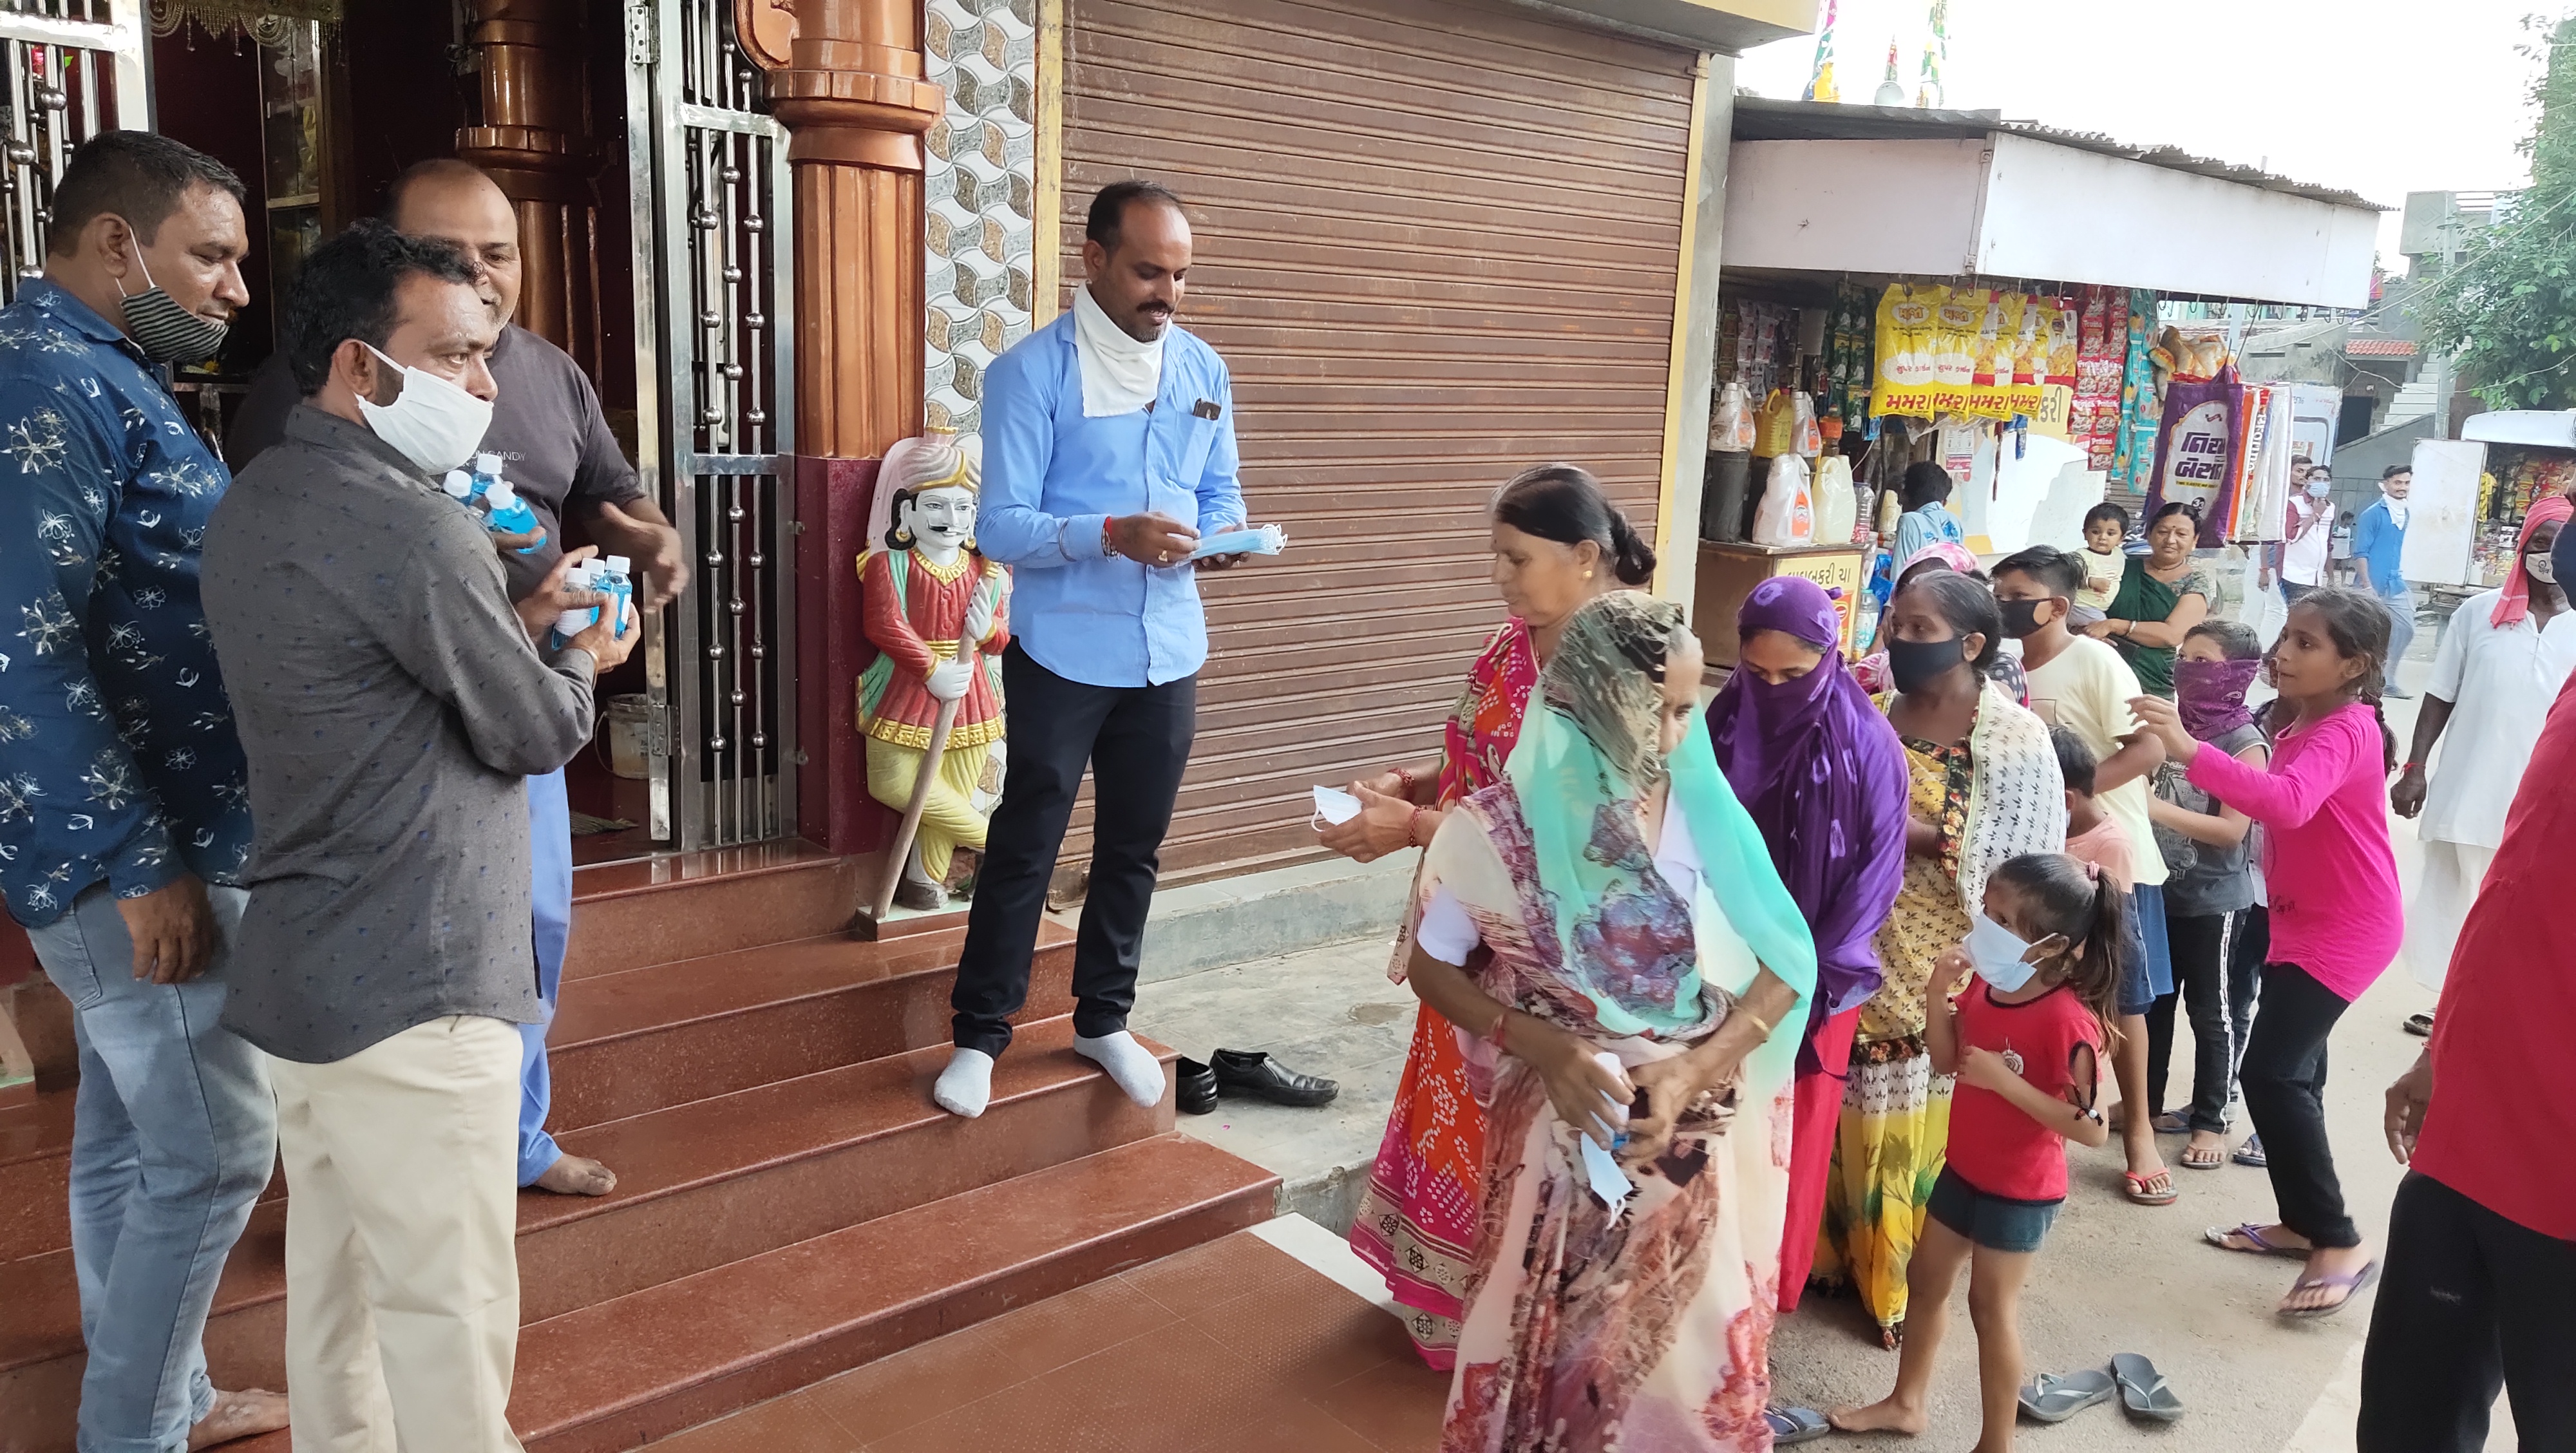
(535, 141)
(856, 106)
(852, 96)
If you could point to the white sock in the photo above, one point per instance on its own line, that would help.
(966, 1085)
(1131, 1064)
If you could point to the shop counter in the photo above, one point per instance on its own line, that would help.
(1728, 573)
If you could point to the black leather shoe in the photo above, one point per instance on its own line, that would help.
(1251, 1072)
(1194, 1087)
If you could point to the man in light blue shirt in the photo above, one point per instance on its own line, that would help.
(2378, 554)
(1108, 451)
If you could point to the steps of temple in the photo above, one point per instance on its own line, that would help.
(633, 1041)
(790, 1203)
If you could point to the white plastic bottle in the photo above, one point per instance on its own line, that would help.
(571, 623)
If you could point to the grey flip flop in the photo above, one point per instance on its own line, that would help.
(2053, 1398)
(1796, 1425)
(2142, 1389)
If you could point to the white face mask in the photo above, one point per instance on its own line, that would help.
(2000, 955)
(435, 424)
(2320, 488)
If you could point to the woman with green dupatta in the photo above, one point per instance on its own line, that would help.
(1645, 989)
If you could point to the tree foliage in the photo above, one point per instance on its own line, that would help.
(2509, 310)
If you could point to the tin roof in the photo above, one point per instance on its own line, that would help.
(1761, 118)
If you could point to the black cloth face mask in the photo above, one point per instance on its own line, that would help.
(2021, 617)
(1913, 665)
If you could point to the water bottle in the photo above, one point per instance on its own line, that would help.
(581, 575)
(487, 473)
(459, 486)
(610, 577)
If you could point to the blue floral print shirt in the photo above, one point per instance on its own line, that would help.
(118, 760)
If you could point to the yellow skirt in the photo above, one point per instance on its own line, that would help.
(1888, 1151)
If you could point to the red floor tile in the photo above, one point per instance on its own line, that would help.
(792, 1424)
(1231, 1347)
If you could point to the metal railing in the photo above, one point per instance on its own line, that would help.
(715, 349)
(72, 69)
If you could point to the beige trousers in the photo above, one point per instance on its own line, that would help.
(402, 1271)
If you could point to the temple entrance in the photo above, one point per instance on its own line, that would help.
(652, 190)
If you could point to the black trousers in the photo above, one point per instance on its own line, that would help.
(2470, 1303)
(2285, 1083)
(1136, 740)
(2218, 994)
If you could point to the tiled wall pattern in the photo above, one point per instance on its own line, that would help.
(980, 187)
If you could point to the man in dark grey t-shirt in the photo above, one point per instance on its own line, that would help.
(561, 457)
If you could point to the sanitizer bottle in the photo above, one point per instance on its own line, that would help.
(611, 578)
(581, 575)
(511, 515)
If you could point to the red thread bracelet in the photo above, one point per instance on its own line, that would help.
(1413, 829)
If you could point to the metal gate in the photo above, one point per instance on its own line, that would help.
(71, 69)
(714, 305)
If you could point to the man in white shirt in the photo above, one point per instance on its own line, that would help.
(2310, 535)
(2502, 662)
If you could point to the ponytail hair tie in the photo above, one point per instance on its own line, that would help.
(2093, 872)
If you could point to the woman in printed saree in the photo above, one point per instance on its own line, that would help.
(1985, 789)
(1642, 992)
(1558, 542)
(1822, 775)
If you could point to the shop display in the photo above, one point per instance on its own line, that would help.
(2142, 402)
(1979, 353)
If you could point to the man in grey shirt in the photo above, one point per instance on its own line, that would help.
(561, 457)
(391, 700)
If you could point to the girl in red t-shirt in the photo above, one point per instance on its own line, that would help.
(2024, 1043)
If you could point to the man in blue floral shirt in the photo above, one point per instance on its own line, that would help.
(124, 816)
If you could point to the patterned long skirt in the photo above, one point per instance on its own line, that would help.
(1895, 1133)
(1417, 1221)
(1645, 1333)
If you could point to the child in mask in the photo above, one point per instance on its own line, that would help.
(2025, 1043)
(2210, 902)
(2105, 526)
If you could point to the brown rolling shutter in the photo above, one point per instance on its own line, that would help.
(1436, 243)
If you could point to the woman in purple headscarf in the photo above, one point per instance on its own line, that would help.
(1824, 778)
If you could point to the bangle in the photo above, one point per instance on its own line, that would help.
(1494, 1036)
(1108, 544)
(1405, 776)
(1758, 1020)
(2411, 767)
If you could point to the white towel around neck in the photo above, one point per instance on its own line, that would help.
(2396, 507)
(1119, 374)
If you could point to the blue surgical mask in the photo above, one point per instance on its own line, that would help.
(1999, 954)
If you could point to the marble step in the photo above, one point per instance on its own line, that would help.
(701, 1185)
(646, 1039)
(649, 1364)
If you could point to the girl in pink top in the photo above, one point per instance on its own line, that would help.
(2336, 921)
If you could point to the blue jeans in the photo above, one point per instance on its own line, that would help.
(173, 1137)
(550, 895)
(2401, 625)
